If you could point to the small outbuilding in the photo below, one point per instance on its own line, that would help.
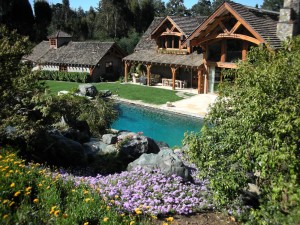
(102, 60)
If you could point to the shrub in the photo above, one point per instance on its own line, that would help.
(251, 135)
(80, 77)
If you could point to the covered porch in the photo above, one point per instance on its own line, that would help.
(174, 71)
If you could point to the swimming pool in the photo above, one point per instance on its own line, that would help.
(157, 124)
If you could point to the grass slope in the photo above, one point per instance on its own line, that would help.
(128, 91)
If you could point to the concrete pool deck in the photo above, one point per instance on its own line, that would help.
(197, 105)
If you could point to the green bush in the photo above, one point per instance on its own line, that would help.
(80, 77)
(251, 135)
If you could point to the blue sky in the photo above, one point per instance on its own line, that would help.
(85, 4)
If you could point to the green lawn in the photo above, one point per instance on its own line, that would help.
(128, 91)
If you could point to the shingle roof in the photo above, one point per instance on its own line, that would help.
(151, 56)
(188, 24)
(59, 34)
(77, 53)
(264, 22)
(38, 51)
(146, 42)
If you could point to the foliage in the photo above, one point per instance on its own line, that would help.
(128, 91)
(251, 135)
(26, 110)
(127, 44)
(202, 8)
(81, 77)
(176, 8)
(43, 15)
(32, 194)
(274, 5)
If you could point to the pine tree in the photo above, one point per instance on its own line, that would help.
(274, 5)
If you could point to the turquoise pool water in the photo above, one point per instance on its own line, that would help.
(157, 124)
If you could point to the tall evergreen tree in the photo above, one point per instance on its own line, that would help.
(159, 8)
(176, 8)
(19, 16)
(147, 9)
(43, 16)
(274, 5)
(216, 3)
(202, 8)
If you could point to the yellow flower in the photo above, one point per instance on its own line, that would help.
(73, 190)
(27, 193)
(56, 213)
(170, 219)
(164, 223)
(131, 222)
(17, 193)
(116, 196)
(35, 200)
(52, 209)
(11, 204)
(85, 192)
(87, 199)
(138, 211)
(40, 185)
(86, 223)
(12, 185)
(28, 189)
(5, 201)
(112, 201)
(105, 219)
(108, 207)
(154, 217)
(123, 214)
(5, 216)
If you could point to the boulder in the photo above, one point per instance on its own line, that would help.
(105, 93)
(88, 90)
(109, 139)
(166, 161)
(133, 145)
(59, 150)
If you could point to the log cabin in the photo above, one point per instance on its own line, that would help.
(197, 49)
(102, 60)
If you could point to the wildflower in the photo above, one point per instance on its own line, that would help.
(86, 223)
(12, 185)
(27, 193)
(5, 216)
(11, 204)
(154, 217)
(40, 185)
(116, 196)
(107, 207)
(131, 223)
(52, 209)
(138, 211)
(56, 213)
(170, 219)
(5, 201)
(85, 192)
(105, 219)
(87, 199)
(73, 190)
(65, 215)
(35, 200)
(112, 201)
(28, 189)
(17, 193)
(123, 214)
(164, 223)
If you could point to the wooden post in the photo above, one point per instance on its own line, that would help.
(199, 80)
(148, 74)
(206, 81)
(245, 50)
(173, 69)
(223, 51)
(127, 65)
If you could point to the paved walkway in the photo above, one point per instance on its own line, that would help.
(197, 105)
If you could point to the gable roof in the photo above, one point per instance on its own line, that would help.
(76, 53)
(188, 24)
(145, 41)
(261, 22)
(59, 34)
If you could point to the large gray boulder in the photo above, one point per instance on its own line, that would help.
(88, 90)
(133, 145)
(109, 139)
(166, 161)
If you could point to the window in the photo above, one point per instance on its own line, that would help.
(52, 41)
(63, 68)
(109, 67)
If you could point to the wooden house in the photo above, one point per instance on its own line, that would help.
(181, 49)
(102, 60)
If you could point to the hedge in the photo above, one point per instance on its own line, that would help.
(80, 77)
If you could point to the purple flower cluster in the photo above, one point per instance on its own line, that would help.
(152, 193)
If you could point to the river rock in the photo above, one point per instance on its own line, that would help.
(165, 161)
(88, 90)
(109, 139)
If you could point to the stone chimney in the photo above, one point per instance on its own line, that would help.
(289, 19)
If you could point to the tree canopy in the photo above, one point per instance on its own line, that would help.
(251, 136)
(274, 5)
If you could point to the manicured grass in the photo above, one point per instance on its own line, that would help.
(128, 91)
